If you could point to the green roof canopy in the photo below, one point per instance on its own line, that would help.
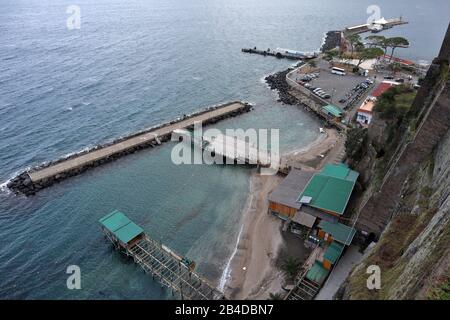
(330, 189)
(121, 226)
(339, 171)
(340, 232)
(317, 273)
(333, 110)
(333, 252)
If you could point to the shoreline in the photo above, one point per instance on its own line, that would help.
(254, 250)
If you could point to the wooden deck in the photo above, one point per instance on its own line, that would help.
(167, 268)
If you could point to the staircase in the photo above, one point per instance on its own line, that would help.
(304, 289)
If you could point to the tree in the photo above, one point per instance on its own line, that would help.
(290, 267)
(395, 67)
(396, 42)
(354, 39)
(369, 53)
(378, 41)
(359, 46)
(354, 144)
(330, 54)
(275, 296)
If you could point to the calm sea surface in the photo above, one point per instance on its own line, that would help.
(134, 64)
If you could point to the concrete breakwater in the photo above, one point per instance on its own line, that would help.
(42, 176)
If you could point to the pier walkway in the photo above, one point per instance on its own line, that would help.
(384, 24)
(163, 264)
(238, 150)
(229, 147)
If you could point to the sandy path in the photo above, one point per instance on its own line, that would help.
(259, 242)
(327, 148)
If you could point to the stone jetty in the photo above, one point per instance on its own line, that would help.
(39, 177)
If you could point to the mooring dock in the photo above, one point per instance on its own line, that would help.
(282, 53)
(42, 176)
(376, 26)
(163, 264)
(230, 148)
(237, 150)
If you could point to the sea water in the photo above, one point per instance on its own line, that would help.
(134, 64)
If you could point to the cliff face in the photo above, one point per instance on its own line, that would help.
(405, 168)
(413, 252)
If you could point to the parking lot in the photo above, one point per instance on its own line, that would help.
(337, 88)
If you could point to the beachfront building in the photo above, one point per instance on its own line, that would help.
(283, 199)
(318, 209)
(329, 190)
(306, 198)
(332, 112)
(365, 111)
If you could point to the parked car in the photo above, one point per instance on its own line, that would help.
(388, 77)
(400, 80)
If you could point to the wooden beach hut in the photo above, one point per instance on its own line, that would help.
(120, 230)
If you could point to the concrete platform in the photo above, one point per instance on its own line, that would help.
(338, 275)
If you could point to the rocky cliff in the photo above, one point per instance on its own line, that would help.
(405, 166)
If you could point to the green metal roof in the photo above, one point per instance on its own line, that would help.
(333, 110)
(330, 189)
(333, 252)
(121, 226)
(317, 273)
(340, 171)
(340, 232)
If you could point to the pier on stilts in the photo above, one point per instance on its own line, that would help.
(163, 264)
(232, 148)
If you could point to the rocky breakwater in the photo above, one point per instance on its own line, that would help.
(332, 40)
(32, 180)
(277, 81)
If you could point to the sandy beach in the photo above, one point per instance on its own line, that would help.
(255, 272)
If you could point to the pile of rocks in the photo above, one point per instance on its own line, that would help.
(278, 82)
(332, 40)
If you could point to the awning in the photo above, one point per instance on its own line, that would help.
(121, 226)
(340, 232)
(304, 219)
